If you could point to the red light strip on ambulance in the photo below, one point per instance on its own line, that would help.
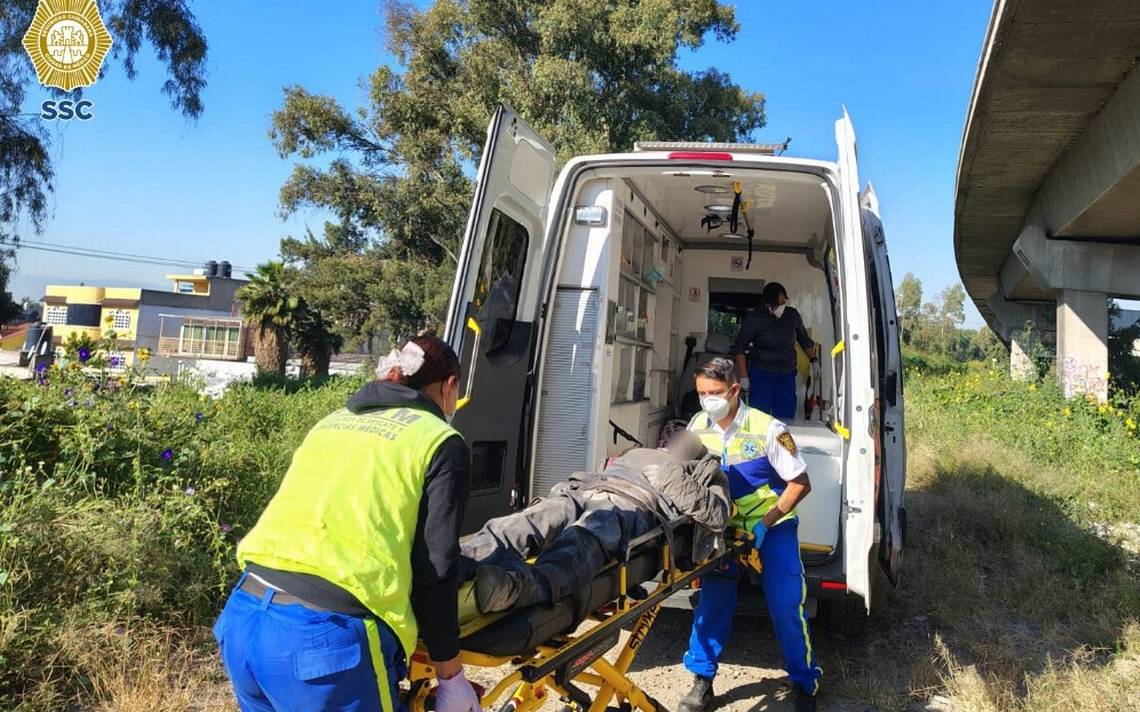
(699, 156)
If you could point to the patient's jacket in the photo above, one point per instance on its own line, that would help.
(671, 488)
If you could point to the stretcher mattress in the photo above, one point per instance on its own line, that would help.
(521, 631)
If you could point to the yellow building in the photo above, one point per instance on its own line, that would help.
(198, 318)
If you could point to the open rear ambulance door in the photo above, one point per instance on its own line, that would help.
(854, 419)
(491, 320)
(892, 438)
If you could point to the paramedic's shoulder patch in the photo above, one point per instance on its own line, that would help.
(785, 440)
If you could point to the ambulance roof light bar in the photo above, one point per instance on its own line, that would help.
(697, 147)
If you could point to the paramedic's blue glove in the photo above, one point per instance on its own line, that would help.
(758, 533)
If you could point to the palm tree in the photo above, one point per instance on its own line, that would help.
(314, 341)
(267, 305)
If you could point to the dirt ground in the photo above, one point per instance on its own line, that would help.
(750, 677)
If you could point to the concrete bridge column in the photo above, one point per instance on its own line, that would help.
(1082, 343)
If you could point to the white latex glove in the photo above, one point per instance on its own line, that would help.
(745, 384)
(455, 694)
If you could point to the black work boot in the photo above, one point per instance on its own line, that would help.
(699, 697)
(804, 701)
(499, 589)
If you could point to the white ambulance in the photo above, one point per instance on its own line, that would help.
(585, 298)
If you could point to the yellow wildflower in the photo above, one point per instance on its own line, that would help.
(1130, 423)
(1067, 412)
(1101, 409)
(1032, 386)
(1048, 423)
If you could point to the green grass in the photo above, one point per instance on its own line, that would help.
(1018, 592)
(120, 506)
(1010, 598)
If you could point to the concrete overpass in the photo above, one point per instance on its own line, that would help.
(1047, 205)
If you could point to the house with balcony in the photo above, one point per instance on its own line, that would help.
(198, 318)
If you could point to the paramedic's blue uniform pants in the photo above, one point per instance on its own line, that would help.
(289, 658)
(773, 393)
(784, 589)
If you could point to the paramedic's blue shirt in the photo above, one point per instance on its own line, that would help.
(772, 341)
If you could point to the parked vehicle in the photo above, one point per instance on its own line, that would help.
(584, 300)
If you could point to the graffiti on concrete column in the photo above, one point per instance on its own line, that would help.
(1078, 377)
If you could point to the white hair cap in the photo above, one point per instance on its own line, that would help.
(408, 360)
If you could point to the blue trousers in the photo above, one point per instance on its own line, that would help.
(784, 589)
(289, 658)
(773, 393)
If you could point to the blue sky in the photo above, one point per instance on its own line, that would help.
(140, 178)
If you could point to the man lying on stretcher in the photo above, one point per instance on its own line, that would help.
(587, 521)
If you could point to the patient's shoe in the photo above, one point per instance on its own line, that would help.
(699, 696)
(499, 589)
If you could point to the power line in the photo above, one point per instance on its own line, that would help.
(128, 257)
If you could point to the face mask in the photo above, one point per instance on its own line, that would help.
(716, 406)
(451, 416)
(778, 311)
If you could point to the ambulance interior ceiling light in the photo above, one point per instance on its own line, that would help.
(714, 189)
(722, 209)
(733, 235)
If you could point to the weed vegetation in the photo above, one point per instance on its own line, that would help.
(1019, 590)
(121, 503)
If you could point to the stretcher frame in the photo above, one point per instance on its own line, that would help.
(578, 658)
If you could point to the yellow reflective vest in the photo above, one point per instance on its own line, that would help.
(347, 509)
(753, 482)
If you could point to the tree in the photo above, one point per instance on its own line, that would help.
(1123, 362)
(314, 341)
(8, 308)
(990, 346)
(268, 306)
(26, 169)
(590, 76)
(908, 301)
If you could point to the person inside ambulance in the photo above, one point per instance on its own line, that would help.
(765, 352)
(355, 556)
(767, 478)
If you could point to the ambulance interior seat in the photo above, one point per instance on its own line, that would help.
(716, 344)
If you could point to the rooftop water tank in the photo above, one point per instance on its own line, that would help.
(225, 270)
(212, 268)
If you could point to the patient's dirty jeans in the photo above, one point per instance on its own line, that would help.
(573, 534)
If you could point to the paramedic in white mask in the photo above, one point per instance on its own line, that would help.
(769, 336)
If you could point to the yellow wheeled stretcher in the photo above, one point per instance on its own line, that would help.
(555, 649)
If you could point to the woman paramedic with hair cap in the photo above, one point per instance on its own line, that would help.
(356, 555)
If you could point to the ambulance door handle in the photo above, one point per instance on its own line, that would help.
(836, 374)
(478, 331)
